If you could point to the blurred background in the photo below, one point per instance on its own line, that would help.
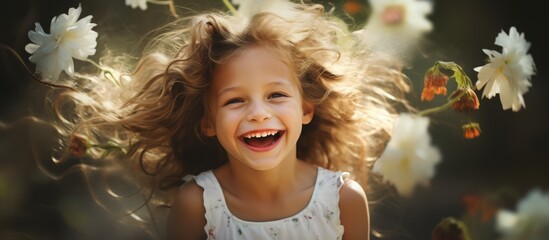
(474, 179)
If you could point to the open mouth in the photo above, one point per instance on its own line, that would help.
(262, 139)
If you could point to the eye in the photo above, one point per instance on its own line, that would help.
(277, 95)
(233, 101)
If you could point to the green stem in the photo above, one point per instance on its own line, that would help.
(166, 2)
(108, 147)
(95, 64)
(459, 75)
(172, 8)
(159, 2)
(11, 50)
(106, 72)
(230, 6)
(442, 107)
(447, 65)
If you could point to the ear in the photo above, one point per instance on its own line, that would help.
(207, 127)
(308, 113)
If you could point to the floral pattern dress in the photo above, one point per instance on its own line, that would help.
(318, 220)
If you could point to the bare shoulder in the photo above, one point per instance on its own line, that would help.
(351, 192)
(189, 194)
(354, 214)
(186, 219)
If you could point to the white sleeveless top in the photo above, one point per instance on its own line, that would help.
(318, 220)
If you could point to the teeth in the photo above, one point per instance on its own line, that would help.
(260, 134)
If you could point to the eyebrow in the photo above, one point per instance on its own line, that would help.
(224, 90)
(272, 83)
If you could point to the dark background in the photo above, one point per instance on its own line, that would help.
(499, 167)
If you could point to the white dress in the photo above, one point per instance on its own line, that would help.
(318, 220)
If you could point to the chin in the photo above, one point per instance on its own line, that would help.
(263, 164)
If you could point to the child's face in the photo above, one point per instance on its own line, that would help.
(256, 109)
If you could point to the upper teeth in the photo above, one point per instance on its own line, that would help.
(260, 134)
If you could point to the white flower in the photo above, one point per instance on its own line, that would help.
(507, 73)
(409, 158)
(396, 26)
(529, 222)
(68, 39)
(142, 4)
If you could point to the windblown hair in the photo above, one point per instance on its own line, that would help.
(156, 111)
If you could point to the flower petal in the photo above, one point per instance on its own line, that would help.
(529, 222)
(70, 38)
(507, 73)
(409, 158)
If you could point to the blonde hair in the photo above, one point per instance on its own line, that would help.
(156, 111)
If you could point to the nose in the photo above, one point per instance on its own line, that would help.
(258, 112)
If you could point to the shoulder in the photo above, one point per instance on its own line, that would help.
(351, 192)
(189, 195)
(187, 213)
(354, 213)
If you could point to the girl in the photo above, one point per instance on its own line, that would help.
(272, 122)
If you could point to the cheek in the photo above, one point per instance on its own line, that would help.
(227, 120)
(291, 112)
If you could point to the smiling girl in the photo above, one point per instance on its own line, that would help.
(271, 124)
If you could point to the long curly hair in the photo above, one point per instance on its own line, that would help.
(154, 112)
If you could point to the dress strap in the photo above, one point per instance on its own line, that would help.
(214, 202)
(329, 183)
(188, 178)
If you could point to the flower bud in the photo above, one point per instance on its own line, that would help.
(467, 102)
(471, 130)
(78, 145)
(434, 84)
(450, 229)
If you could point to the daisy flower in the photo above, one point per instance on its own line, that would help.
(409, 158)
(507, 73)
(69, 38)
(142, 4)
(529, 222)
(396, 25)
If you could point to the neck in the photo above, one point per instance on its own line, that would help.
(265, 184)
